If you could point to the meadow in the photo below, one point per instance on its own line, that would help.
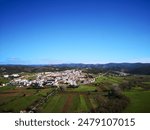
(16, 99)
(107, 94)
(139, 101)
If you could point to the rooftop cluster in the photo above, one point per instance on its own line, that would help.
(64, 78)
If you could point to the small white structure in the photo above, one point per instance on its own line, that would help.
(6, 76)
(15, 75)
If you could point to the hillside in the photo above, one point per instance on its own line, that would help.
(133, 68)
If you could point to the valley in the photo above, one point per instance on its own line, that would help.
(74, 91)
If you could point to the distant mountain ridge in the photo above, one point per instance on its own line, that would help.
(133, 68)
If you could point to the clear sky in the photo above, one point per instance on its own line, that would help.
(74, 31)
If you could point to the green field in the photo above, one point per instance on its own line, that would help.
(73, 100)
(6, 88)
(69, 103)
(21, 103)
(16, 99)
(147, 83)
(139, 101)
(109, 80)
(131, 95)
(83, 88)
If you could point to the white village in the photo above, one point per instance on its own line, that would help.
(68, 78)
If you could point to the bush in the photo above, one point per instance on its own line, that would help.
(112, 105)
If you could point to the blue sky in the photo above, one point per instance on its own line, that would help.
(74, 31)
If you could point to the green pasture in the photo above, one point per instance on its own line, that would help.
(139, 101)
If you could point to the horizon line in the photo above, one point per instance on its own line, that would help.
(78, 63)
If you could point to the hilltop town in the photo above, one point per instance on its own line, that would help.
(67, 78)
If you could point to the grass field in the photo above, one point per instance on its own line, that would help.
(146, 83)
(21, 103)
(70, 103)
(7, 88)
(83, 88)
(85, 98)
(110, 80)
(15, 99)
(139, 101)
